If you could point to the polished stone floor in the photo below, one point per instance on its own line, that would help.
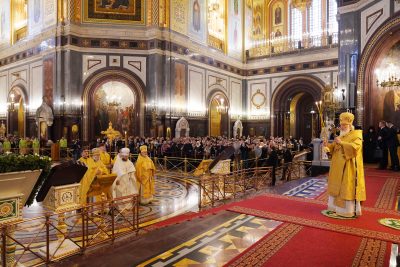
(208, 241)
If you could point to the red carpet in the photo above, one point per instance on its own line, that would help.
(295, 245)
(307, 212)
(382, 189)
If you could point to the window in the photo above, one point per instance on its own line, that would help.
(315, 20)
(332, 22)
(296, 24)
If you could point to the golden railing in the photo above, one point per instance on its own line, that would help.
(215, 188)
(54, 236)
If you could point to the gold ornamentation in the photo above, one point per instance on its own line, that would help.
(258, 99)
(6, 209)
(388, 194)
(301, 4)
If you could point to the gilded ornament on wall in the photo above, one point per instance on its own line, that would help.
(116, 11)
(258, 99)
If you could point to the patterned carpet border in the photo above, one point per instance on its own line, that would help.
(371, 252)
(319, 202)
(388, 194)
(264, 249)
(319, 224)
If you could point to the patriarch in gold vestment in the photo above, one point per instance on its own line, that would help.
(346, 184)
(145, 171)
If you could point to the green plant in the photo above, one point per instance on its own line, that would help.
(15, 163)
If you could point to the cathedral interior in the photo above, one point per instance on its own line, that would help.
(199, 71)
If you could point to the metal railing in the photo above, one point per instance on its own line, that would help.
(215, 188)
(62, 234)
(289, 45)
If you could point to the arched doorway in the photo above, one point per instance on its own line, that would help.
(182, 128)
(218, 115)
(379, 98)
(116, 96)
(293, 107)
(16, 112)
(237, 129)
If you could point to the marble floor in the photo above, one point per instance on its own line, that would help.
(209, 241)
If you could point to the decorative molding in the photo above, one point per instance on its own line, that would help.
(137, 65)
(92, 63)
(372, 18)
(114, 61)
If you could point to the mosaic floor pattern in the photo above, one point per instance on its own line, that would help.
(218, 245)
(309, 189)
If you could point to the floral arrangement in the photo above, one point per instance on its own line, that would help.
(15, 163)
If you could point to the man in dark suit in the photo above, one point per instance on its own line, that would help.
(393, 143)
(383, 136)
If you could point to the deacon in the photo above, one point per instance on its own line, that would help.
(145, 171)
(89, 176)
(346, 184)
(125, 184)
(104, 156)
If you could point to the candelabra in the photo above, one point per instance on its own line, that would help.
(222, 108)
(11, 106)
(392, 81)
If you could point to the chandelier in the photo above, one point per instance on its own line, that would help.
(392, 81)
(113, 101)
(301, 4)
(222, 108)
(387, 76)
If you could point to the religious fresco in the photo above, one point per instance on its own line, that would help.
(180, 87)
(48, 66)
(179, 16)
(235, 28)
(110, 106)
(35, 16)
(258, 21)
(248, 14)
(216, 23)
(116, 11)
(197, 20)
(5, 22)
(278, 19)
(386, 99)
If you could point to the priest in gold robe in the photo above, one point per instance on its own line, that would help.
(95, 167)
(145, 171)
(346, 184)
(104, 156)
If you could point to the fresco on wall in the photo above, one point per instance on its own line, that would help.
(179, 17)
(258, 31)
(387, 106)
(180, 87)
(235, 28)
(197, 20)
(5, 22)
(248, 32)
(216, 23)
(35, 16)
(109, 106)
(117, 11)
(278, 19)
